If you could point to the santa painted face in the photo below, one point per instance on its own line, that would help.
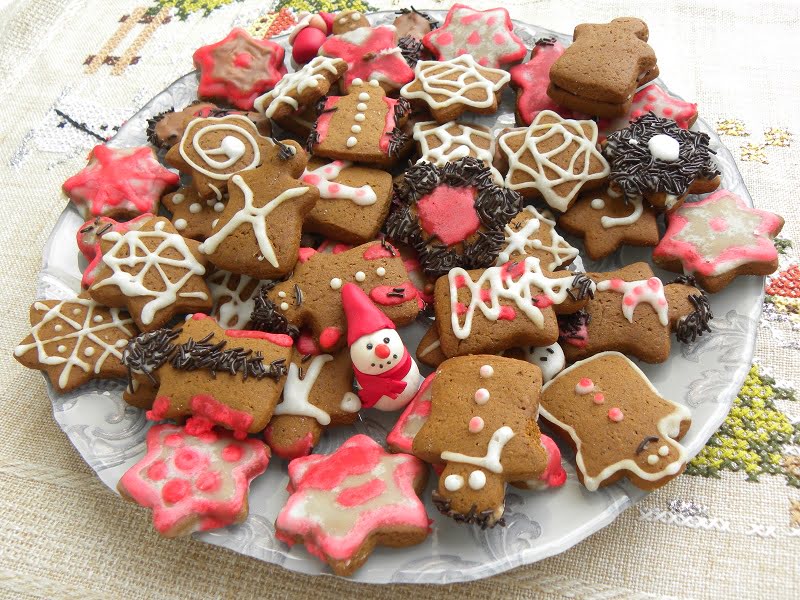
(377, 352)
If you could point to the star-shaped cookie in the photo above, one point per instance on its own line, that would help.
(531, 233)
(119, 183)
(606, 221)
(193, 216)
(719, 238)
(657, 100)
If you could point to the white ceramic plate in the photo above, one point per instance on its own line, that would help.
(705, 376)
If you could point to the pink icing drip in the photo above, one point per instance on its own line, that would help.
(279, 339)
(389, 124)
(554, 474)
(304, 254)
(324, 120)
(378, 250)
(208, 411)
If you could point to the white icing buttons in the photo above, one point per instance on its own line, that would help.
(356, 129)
(195, 208)
(361, 107)
(598, 204)
(652, 459)
(453, 483)
(361, 276)
(663, 147)
(336, 283)
(482, 396)
(180, 224)
(97, 319)
(178, 198)
(281, 294)
(663, 450)
(360, 118)
(284, 306)
(62, 348)
(477, 480)
(89, 351)
(219, 207)
(486, 371)
(380, 271)
(363, 96)
(351, 141)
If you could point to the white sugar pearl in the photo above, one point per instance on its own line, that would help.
(181, 224)
(336, 283)
(453, 483)
(356, 129)
(97, 319)
(481, 396)
(598, 204)
(361, 107)
(477, 480)
(374, 82)
(360, 118)
(89, 351)
(652, 459)
(281, 294)
(284, 306)
(178, 198)
(219, 207)
(120, 343)
(357, 81)
(195, 208)
(62, 348)
(664, 450)
(380, 271)
(486, 371)
(58, 327)
(363, 96)
(351, 141)
(360, 276)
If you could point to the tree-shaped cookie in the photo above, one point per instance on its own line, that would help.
(364, 126)
(553, 158)
(451, 87)
(600, 70)
(488, 310)
(606, 220)
(150, 269)
(215, 376)
(634, 312)
(719, 238)
(482, 425)
(258, 231)
(619, 424)
(318, 394)
(74, 341)
(345, 504)
(530, 233)
(311, 296)
(194, 483)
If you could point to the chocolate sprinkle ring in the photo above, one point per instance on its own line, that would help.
(494, 205)
(637, 173)
(693, 325)
(411, 49)
(267, 317)
(482, 519)
(204, 355)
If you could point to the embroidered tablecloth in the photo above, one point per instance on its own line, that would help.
(72, 71)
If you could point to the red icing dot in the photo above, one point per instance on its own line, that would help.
(628, 301)
(615, 415)
(542, 301)
(387, 295)
(599, 398)
(651, 96)
(329, 337)
(512, 270)
(187, 459)
(175, 490)
(667, 111)
(486, 295)
(312, 178)
(648, 107)
(490, 22)
(445, 38)
(157, 471)
(474, 38)
(306, 344)
(362, 493)
(209, 481)
(360, 192)
(499, 38)
(662, 301)
(718, 224)
(243, 60)
(303, 254)
(379, 251)
(435, 212)
(654, 283)
(483, 61)
(585, 382)
(637, 113)
(199, 316)
(459, 281)
(616, 283)
(507, 313)
(460, 308)
(232, 453)
(638, 290)
(334, 188)
(173, 440)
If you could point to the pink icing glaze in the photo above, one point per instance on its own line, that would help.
(388, 125)
(324, 120)
(653, 98)
(301, 447)
(329, 337)
(378, 250)
(207, 411)
(326, 478)
(554, 474)
(381, 294)
(419, 408)
(436, 213)
(304, 254)
(279, 339)
(159, 409)
(598, 398)
(754, 246)
(184, 494)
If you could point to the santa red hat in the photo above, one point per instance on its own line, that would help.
(363, 317)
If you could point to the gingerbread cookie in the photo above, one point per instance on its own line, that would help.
(194, 483)
(488, 35)
(719, 238)
(553, 158)
(119, 183)
(502, 307)
(192, 216)
(364, 126)
(482, 425)
(258, 231)
(634, 312)
(427, 197)
(531, 80)
(441, 144)
(238, 68)
(318, 394)
(354, 200)
(401, 437)
(348, 20)
(653, 98)
(530, 233)
(74, 341)
(656, 159)
(345, 504)
(606, 220)
(302, 88)
(88, 241)
(151, 270)
(429, 350)
(412, 23)
(602, 68)
(371, 54)
(166, 129)
(234, 298)
(213, 150)
(451, 87)
(300, 122)
(618, 423)
(311, 296)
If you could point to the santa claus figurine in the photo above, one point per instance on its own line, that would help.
(386, 374)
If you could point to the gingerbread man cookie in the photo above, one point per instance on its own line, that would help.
(718, 239)
(119, 183)
(345, 504)
(194, 483)
(618, 423)
(348, 20)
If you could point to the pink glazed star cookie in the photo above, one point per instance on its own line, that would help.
(344, 504)
(719, 238)
(487, 35)
(653, 99)
(239, 68)
(119, 183)
(194, 483)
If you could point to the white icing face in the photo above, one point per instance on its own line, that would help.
(377, 352)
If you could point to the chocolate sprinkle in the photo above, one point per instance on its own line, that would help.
(645, 442)
(484, 518)
(147, 352)
(637, 173)
(285, 151)
(693, 325)
(398, 140)
(207, 356)
(267, 317)
(298, 296)
(431, 21)
(584, 285)
(151, 129)
(545, 41)
(103, 229)
(411, 49)
(569, 326)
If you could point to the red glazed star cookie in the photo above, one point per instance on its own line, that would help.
(487, 35)
(530, 233)
(345, 504)
(74, 341)
(119, 183)
(553, 158)
(371, 53)
(482, 426)
(618, 423)
(661, 103)
(606, 221)
(151, 270)
(719, 238)
(194, 483)
(450, 88)
(238, 68)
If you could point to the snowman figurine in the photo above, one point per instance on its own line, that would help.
(386, 374)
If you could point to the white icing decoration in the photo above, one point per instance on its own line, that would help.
(357, 81)
(233, 150)
(477, 480)
(361, 196)
(296, 391)
(235, 312)
(482, 396)
(292, 85)
(219, 207)
(663, 450)
(360, 276)
(356, 129)
(652, 459)
(435, 78)
(359, 118)
(453, 483)
(363, 96)
(361, 107)
(281, 294)
(649, 290)
(453, 147)
(429, 348)
(89, 351)
(130, 250)
(177, 198)
(351, 403)
(551, 367)
(486, 371)
(664, 147)
(519, 241)
(598, 204)
(82, 333)
(351, 141)
(97, 319)
(217, 193)
(519, 291)
(355, 16)
(181, 224)
(374, 82)
(255, 217)
(490, 462)
(582, 390)
(380, 271)
(284, 306)
(638, 208)
(336, 283)
(195, 208)
(540, 175)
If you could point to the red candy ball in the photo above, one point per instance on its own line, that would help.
(307, 44)
(328, 18)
